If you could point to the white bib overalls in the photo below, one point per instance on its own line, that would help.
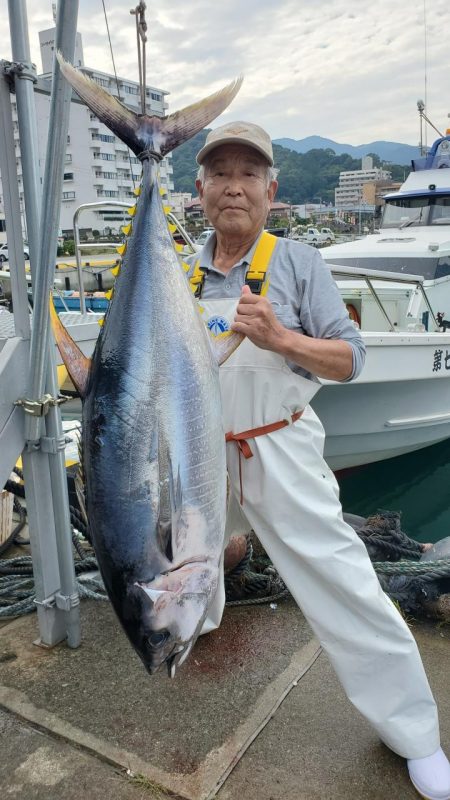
(291, 501)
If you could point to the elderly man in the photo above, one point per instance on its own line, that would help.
(280, 294)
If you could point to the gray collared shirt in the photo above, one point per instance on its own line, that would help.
(302, 291)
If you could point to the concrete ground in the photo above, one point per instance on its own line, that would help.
(90, 723)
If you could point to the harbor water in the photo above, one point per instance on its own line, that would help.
(417, 485)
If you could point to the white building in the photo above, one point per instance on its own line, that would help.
(98, 166)
(349, 193)
(178, 201)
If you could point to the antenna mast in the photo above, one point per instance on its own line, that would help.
(425, 66)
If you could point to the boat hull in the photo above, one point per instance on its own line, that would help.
(95, 278)
(400, 402)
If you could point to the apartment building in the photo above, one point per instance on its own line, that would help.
(178, 203)
(349, 193)
(373, 193)
(98, 166)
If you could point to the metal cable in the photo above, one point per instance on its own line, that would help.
(141, 39)
(117, 83)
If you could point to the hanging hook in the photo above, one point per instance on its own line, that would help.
(141, 37)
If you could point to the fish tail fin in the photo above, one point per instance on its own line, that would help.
(140, 132)
(184, 124)
(76, 363)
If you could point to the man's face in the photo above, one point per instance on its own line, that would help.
(235, 195)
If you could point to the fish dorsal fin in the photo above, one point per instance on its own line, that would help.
(76, 363)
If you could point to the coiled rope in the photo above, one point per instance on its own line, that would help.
(254, 580)
(401, 575)
(17, 592)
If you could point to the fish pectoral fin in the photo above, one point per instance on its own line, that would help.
(165, 538)
(76, 363)
(170, 504)
(176, 504)
(224, 344)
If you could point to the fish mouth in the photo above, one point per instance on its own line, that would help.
(168, 659)
(178, 658)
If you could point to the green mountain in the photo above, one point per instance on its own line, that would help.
(303, 177)
(393, 152)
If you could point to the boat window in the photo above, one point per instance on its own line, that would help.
(443, 267)
(430, 268)
(404, 211)
(440, 211)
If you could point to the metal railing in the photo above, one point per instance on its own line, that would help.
(368, 275)
(79, 245)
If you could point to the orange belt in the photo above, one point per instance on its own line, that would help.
(243, 445)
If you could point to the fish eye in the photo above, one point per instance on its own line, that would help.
(158, 638)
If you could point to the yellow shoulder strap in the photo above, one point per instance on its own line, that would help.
(256, 276)
(197, 279)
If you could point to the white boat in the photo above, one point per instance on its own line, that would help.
(401, 401)
(97, 276)
(414, 237)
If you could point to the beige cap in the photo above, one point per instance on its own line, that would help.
(238, 133)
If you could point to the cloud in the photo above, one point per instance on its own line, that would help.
(348, 69)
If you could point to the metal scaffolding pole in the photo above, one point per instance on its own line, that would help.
(14, 352)
(43, 458)
(24, 78)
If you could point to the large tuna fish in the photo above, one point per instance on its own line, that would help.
(153, 442)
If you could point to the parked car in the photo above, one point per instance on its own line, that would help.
(313, 236)
(328, 234)
(4, 255)
(204, 236)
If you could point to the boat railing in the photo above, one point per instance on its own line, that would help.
(79, 245)
(369, 275)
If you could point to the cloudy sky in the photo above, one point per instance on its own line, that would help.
(350, 70)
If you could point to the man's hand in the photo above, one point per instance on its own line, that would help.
(326, 358)
(256, 319)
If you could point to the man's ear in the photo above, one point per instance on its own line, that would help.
(273, 186)
(199, 187)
